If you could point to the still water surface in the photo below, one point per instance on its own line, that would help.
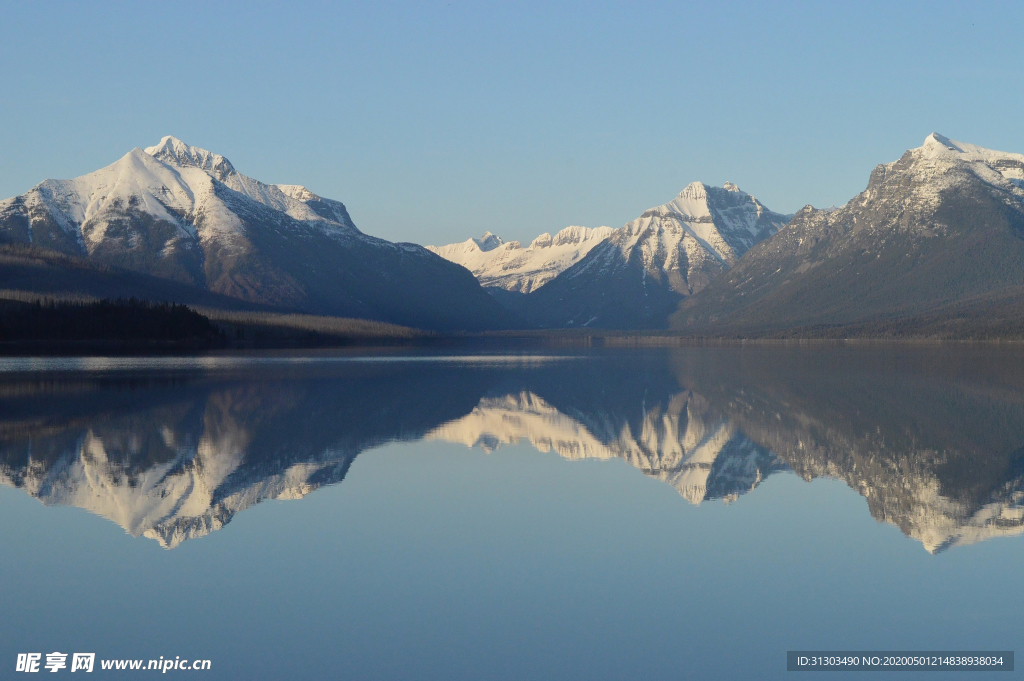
(679, 514)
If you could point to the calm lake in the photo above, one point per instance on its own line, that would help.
(633, 514)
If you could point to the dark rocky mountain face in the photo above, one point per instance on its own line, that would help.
(636, 277)
(184, 216)
(935, 231)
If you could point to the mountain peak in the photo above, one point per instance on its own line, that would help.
(576, 234)
(488, 242)
(173, 150)
(937, 147)
(542, 241)
(937, 140)
(694, 190)
(507, 265)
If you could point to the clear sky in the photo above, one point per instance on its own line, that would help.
(436, 121)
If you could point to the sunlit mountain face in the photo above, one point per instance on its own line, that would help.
(932, 438)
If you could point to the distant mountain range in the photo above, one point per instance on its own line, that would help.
(630, 277)
(933, 247)
(509, 266)
(178, 222)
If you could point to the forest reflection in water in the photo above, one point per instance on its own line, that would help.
(932, 437)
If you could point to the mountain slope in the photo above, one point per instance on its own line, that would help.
(185, 215)
(637, 276)
(942, 225)
(509, 266)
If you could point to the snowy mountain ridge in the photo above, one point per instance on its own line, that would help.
(507, 265)
(700, 225)
(171, 181)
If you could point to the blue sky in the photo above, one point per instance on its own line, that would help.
(436, 121)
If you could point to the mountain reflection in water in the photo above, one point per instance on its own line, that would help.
(932, 438)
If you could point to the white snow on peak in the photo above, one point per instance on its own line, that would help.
(172, 182)
(136, 180)
(173, 150)
(942, 164)
(506, 264)
(541, 241)
(938, 146)
(941, 152)
(703, 228)
(488, 242)
(695, 191)
(291, 200)
(701, 232)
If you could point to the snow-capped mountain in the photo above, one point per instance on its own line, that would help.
(507, 265)
(636, 277)
(184, 214)
(934, 241)
(682, 443)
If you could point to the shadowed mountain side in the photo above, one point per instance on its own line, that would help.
(47, 273)
(932, 438)
(609, 287)
(362, 278)
(176, 458)
(991, 316)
